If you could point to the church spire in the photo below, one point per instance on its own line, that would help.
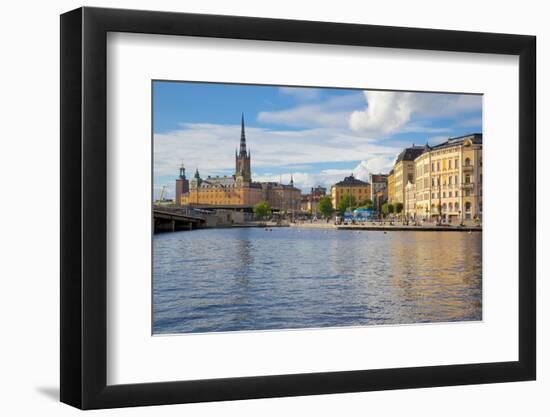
(242, 149)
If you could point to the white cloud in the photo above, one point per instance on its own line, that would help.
(327, 177)
(211, 148)
(388, 112)
(333, 112)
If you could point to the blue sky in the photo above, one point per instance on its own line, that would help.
(317, 135)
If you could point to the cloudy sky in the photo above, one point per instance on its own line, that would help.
(317, 135)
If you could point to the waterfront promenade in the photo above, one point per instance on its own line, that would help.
(389, 227)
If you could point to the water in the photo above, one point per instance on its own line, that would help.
(216, 280)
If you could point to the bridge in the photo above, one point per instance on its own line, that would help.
(170, 219)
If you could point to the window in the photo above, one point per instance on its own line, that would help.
(467, 179)
(433, 167)
(456, 179)
(456, 163)
(438, 166)
(467, 193)
(467, 162)
(468, 206)
(443, 194)
(433, 196)
(433, 182)
(456, 206)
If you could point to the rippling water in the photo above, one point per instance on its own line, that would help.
(216, 280)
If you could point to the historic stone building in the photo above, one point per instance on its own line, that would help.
(441, 182)
(449, 180)
(359, 190)
(238, 190)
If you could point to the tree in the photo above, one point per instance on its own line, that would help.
(262, 209)
(387, 208)
(398, 207)
(325, 206)
(347, 201)
(367, 204)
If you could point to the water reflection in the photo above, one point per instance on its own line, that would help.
(248, 279)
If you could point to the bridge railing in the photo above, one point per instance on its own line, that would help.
(185, 211)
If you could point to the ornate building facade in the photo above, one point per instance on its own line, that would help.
(239, 190)
(449, 180)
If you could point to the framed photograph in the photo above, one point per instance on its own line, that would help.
(257, 208)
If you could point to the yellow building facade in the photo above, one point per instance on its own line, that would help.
(404, 171)
(359, 190)
(391, 187)
(449, 180)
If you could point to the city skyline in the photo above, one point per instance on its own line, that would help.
(317, 135)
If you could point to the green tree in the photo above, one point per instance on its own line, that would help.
(387, 208)
(398, 207)
(367, 204)
(262, 209)
(325, 206)
(347, 201)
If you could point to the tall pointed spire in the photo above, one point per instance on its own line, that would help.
(242, 149)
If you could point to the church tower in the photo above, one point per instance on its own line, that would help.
(242, 158)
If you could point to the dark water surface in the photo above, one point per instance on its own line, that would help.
(216, 280)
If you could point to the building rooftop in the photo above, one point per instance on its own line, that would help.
(476, 138)
(350, 181)
(410, 154)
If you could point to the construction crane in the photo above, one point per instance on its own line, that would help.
(162, 193)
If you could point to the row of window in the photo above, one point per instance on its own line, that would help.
(447, 164)
(455, 207)
(453, 180)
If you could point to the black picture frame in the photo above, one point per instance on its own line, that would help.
(84, 207)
